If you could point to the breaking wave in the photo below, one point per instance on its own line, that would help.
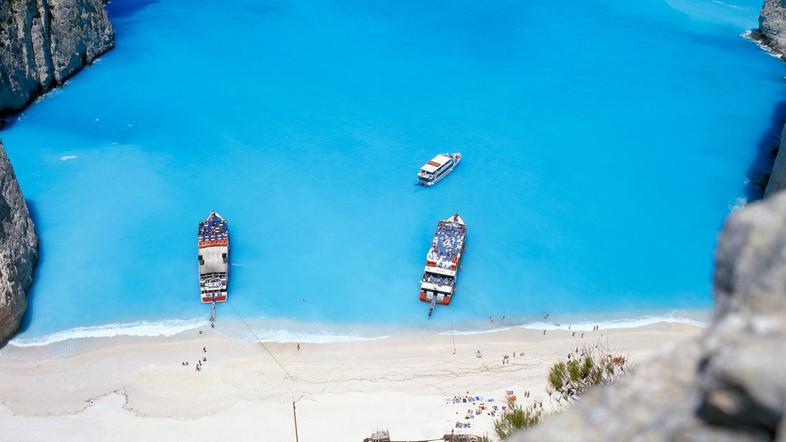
(173, 327)
(750, 35)
(141, 328)
(589, 325)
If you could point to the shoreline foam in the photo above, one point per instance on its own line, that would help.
(754, 36)
(141, 389)
(612, 324)
(271, 331)
(169, 327)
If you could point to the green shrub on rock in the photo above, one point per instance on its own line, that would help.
(585, 368)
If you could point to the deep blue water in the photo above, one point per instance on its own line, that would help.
(604, 143)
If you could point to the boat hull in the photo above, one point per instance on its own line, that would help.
(219, 298)
(445, 300)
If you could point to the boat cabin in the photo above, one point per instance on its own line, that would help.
(435, 169)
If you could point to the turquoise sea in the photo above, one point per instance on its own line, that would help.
(604, 143)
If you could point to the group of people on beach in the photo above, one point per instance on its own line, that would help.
(506, 358)
(480, 406)
(198, 366)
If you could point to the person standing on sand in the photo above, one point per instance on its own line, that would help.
(298, 347)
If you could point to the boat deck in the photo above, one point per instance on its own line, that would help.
(213, 230)
(213, 239)
(447, 244)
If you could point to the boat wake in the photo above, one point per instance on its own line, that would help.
(729, 5)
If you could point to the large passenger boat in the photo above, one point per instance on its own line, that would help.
(213, 239)
(443, 262)
(437, 168)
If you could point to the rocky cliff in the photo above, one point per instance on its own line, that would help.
(727, 385)
(43, 42)
(18, 250)
(772, 33)
(772, 25)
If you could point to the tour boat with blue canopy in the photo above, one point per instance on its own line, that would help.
(213, 240)
(443, 262)
(438, 168)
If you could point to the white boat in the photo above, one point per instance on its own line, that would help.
(213, 241)
(438, 168)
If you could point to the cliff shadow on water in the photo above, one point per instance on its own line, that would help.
(121, 9)
(28, 315)
(766, 149)
(8, 120)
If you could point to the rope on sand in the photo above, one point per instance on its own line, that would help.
(270, 353)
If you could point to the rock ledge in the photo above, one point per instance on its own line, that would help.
(18, 250)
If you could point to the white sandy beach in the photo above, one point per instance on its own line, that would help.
(127, 388)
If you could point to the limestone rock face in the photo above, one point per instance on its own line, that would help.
(772, 33)
(43, 42)
(18, 250)
(772, 25)
(730, 383)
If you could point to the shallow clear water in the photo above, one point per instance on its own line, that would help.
(604, 142)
